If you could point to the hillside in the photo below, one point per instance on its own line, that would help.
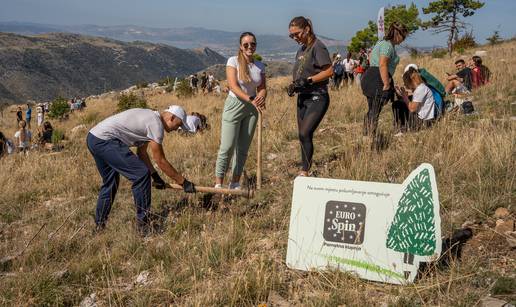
(48, 65)
(273, 69)
(271, 46)
(233, 254)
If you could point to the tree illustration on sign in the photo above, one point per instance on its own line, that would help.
(412, 231)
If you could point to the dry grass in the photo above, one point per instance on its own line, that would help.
(236, 257)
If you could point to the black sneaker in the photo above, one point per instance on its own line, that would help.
(144, 228)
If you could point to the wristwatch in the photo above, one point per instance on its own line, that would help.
(309, 79)
(251, 98)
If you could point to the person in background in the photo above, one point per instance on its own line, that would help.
(40, 117)
(480, 74)
(459, 80)
(349, 67)
(204, 82)
(3, 145)
(248, 90)
(338, 71)
(45, 136)
(377, 83)
(312, 70)
(195, 81)
(28, 115)
(19, 115)
(109, 142)
(361, 66)
(23, 137)
(197, 122)
(418, 110)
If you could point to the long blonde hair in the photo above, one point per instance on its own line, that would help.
(243, 68)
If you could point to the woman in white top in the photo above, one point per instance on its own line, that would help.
(246, 79)
(23, 137)
(422, 102)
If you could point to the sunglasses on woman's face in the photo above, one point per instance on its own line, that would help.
(249, 45)
(295, 35)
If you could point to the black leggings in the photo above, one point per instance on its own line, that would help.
(375, 105)
(310, 112)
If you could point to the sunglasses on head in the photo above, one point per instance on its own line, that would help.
(249, 45)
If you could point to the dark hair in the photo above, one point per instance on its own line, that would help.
(243, 71)
(349, 55)
(2, 136)
(407, 77)
(47, 125)
(460, 61)
(303, 22)
(477, 60)
(396, 28)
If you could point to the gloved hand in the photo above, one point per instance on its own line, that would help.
(188, 187)
(157, 182)
(386, 95)
(302, 83)
(291, 90)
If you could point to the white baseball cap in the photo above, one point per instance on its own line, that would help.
(180, 113)
(410, 65)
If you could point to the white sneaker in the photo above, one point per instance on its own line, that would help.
(235, 186)
(218, 186)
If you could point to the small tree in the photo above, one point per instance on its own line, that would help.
(495, 38)
(467, 41)
(412, 231)
(126, 102)
(59, 108)
(257, 57)
(183, 89)
(447, 18)
(367, 37)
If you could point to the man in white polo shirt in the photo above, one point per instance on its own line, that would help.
(109, 143)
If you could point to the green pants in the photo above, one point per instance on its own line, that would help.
(238, 123)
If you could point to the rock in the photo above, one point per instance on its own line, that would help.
(89, 301)
(78, 128)
(511, 238)
(272, 156)
(143, 278)
(60, 274)
(277, 300)
(493, 302)
(481, 53)
(467, 224)
(504, 226)
(501, 213)
(6, 262)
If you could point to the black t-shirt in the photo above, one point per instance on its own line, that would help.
(465, 74)
(309, 62)
(19, 115)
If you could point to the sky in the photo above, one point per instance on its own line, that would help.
(338, 19)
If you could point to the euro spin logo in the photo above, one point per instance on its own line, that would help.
(344, 222)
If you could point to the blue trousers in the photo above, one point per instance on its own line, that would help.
(114, 158)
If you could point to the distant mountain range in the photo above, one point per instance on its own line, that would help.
(271, 47)
(44, 66)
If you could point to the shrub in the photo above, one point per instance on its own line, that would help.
(90, 118)
(495, 38)
(439, 53)
(57, 136)
(164, 81)
(126, 102)
(141, 84)
(183, 89)
(59, 108)
(465, 42)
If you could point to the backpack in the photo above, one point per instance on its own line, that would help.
(338, 69)
(439, 101)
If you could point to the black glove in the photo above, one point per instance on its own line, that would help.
(157, 182)
(386, 95)
(301, 83)
(188, 187)
(291, 90)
